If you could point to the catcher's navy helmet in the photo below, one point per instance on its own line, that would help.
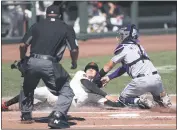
(129, 31)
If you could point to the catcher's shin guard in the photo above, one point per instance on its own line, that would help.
(145, 103)
(140, 102)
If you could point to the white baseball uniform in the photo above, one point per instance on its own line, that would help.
(43, 93)
(81, 96)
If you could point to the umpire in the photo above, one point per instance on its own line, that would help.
(48, 40)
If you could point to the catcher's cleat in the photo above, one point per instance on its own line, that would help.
(26, 118)
(58, 121)
(163, 101)
(4, 107)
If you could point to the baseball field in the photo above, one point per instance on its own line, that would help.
(162, 52)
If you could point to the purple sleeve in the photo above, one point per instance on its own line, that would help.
(118, 72)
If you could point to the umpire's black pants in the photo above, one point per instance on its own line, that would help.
(54, 77)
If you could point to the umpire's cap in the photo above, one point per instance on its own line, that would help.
(53, 9)
(92, 65)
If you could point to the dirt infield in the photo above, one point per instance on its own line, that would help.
(102, 118)
(108, 118)
(98, 47)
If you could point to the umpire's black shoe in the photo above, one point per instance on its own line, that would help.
(26, 118)
(58, 121)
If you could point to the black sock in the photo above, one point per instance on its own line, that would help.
(12, 101)
(114, 104)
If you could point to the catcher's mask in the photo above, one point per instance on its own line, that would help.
(92, 65)
(129, 31)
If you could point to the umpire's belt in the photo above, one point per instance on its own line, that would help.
(142, 75)
(44, 57)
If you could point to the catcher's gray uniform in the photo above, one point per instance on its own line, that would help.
(144, 75)
(137, 64)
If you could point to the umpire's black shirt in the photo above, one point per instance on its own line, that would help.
(50, 37)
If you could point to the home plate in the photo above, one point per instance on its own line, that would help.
(124, 115)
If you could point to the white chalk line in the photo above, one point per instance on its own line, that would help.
(171, 95)
(133, 125)
(120, 117)
(134, 117)
(108, 112)
(122, 125)
(43, 112)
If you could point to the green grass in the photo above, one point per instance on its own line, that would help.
(11, 80)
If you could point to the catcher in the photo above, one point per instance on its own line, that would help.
(86, 89)
(139, 67)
